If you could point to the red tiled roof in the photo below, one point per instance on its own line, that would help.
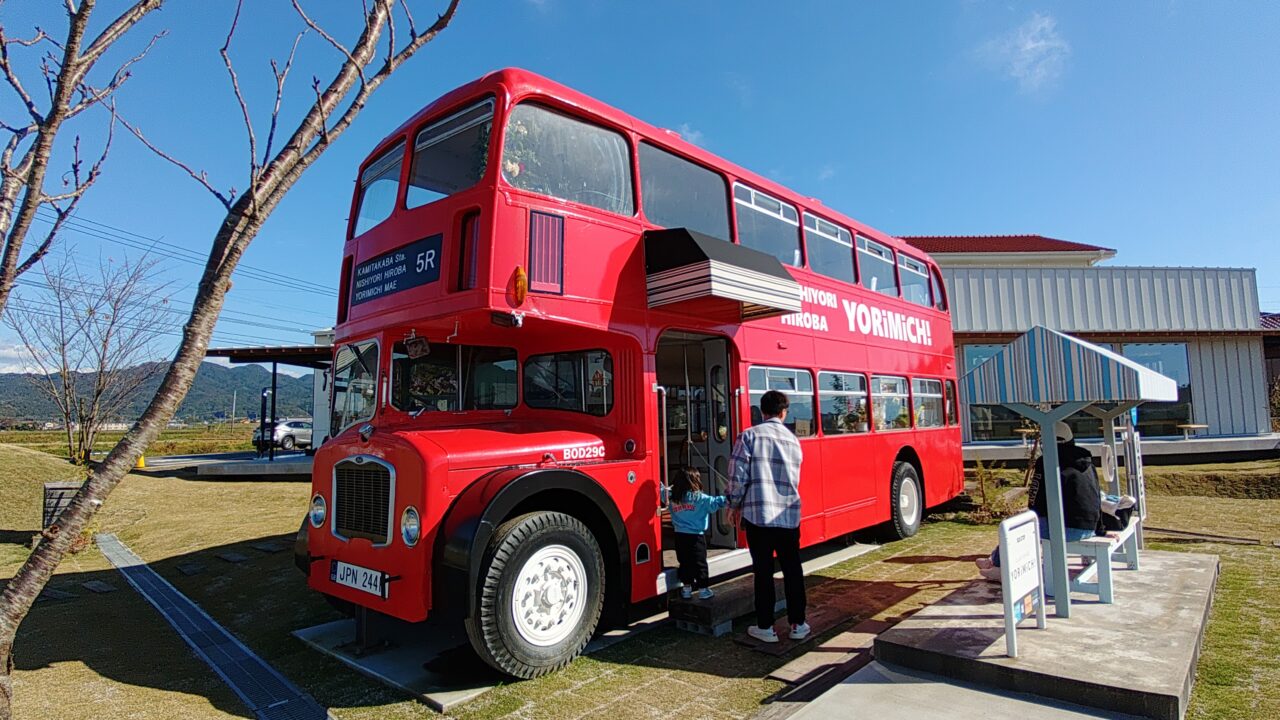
(997, 244)
(1271, 321)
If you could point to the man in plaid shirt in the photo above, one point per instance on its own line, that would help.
(764, 493)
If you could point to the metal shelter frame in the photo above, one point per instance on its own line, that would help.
(317, 357)
(1047, 376)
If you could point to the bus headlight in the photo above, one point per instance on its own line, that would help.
(410, 526)
(318, 511)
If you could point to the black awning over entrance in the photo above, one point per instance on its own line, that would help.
(685, 266)
(312, 356)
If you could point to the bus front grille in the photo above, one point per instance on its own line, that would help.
(362, 500)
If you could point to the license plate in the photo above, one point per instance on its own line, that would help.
(354, 576)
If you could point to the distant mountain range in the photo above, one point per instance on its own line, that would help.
(209, 399)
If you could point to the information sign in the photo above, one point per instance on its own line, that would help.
(1021, 575)
(417, 263)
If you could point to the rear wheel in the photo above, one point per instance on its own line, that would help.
(540, 596)
(907, 500)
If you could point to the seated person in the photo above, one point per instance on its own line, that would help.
(1081, 497)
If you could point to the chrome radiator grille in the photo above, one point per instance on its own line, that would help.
(362, 500)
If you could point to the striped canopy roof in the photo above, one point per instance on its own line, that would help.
(1045, 366)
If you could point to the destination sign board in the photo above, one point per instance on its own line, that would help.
(411, 266)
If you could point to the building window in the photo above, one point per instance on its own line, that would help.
(797, 385)
(915, 280)
(830, 249)
(1158, 419)
(677, 193)
(890, 402)
(379, 184)
(550, 153)
(843, 401)
(577, 381)
(875, 263)
(768, 225)
(989, 422)
(450, 155)
(929, 405)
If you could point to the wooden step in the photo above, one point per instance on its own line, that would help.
(733, 599)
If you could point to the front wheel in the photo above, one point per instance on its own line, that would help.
(907, 501)
(540, 596)
(288, 442)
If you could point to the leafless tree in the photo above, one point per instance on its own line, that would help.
(64, 67)
(90, 340)
(387, 37)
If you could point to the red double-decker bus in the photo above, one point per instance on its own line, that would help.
(546, 307)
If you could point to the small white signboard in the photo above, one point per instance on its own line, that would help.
(1021, 575)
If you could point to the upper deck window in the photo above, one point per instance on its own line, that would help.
(830, 249)
(680, 194)
(379, 184)
(768, 225)
(876, 262)
(915, 280)
(450, 155)
(452, 377)
(553, 154)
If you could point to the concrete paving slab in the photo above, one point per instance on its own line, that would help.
(191, 568)
(296, 464)
(268, 547)
(55, 594)
(1135, 656)
(891, 693)
(232, 557)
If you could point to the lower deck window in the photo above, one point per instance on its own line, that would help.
(576, 381)
(843, 397)
(431, 377)
(929, 405)
(890, 402)
(797, 385)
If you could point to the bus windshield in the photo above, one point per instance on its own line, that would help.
(436, 377)
(355, 384)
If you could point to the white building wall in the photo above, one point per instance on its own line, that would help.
(1228, 385)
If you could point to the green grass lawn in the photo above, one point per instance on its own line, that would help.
(112, 656)
(172, 441)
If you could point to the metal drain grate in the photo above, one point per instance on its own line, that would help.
(267, 693)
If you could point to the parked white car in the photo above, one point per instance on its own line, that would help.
(289, 434)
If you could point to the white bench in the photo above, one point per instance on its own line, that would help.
(1099, 553)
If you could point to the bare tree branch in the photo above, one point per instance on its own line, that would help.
(10, 76)
(235, 88)
(281, 76)
(201, 177)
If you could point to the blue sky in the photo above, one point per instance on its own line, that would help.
(1145, 127)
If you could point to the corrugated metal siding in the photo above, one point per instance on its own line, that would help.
(1228, 388)
(1103, 299)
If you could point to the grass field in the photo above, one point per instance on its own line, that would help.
(173, 441)
(111, 656)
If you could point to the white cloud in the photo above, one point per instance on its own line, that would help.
(15, 359)
(1033, 54)
(826, 172)
(690, 133)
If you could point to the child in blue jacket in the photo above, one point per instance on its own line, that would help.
(690, 508)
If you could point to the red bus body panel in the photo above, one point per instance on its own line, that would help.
(437, 456)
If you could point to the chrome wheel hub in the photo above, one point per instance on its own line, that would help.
(548, 599)
(909, 501)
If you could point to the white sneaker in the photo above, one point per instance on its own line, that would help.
(800, 632)
(766, 635)
(686, 592)
(706, 594)
(1126, 501)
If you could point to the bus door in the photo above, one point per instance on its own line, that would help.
(693, 370)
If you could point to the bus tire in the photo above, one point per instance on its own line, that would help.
(540, 595)
(906, 499)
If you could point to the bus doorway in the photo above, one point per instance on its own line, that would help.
(693, 370)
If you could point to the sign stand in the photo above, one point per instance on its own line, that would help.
(1021, 575)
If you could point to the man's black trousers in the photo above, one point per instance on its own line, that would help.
(764, 543)
(691, 553)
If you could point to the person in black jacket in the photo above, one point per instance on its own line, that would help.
(1081, 498)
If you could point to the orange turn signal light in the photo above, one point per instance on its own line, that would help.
(520, 285)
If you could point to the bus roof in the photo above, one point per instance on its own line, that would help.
(518, 84)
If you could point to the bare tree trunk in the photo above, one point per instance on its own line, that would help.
(271, 177)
